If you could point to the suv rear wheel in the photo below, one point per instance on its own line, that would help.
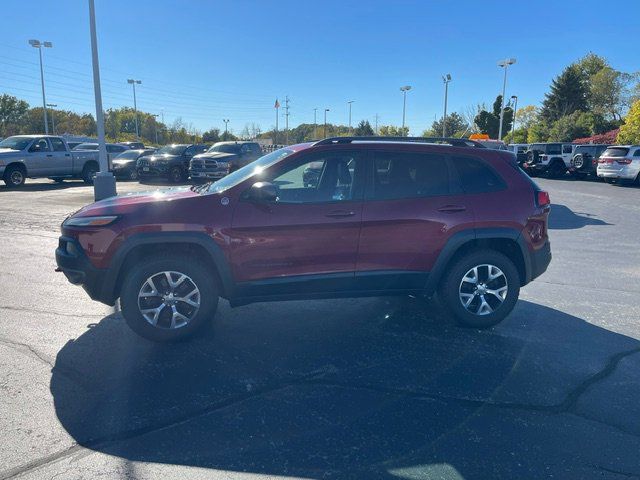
(167, 299)
(480, 289)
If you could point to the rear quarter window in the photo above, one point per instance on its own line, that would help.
(476, 176)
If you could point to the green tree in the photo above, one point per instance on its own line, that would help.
(12, 112)
(455, 127)
(364, 129)
(527, 116)
(630, 130)
(393, 131)
(570, 127)
(519, 135)
(538, 132)
(568, 94)
(211, 136)
(489, 122)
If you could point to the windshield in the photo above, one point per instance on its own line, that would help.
(86, 146)
(615, 152)
(172, 150)
(225, 148)
(15, 143)
(248, 171)
(128, 155)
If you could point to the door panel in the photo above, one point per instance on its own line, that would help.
(60, 163)
(38, 159)
(313, 227)
(409, 213)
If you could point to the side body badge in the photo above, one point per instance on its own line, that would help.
(224, 200)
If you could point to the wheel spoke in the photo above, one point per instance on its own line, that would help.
(188, 298)
(484, 307)
(467, 298)
(175, 316)
(499, 293)
(479, 282)
(471, 276)
(494, 272)
(156, 314)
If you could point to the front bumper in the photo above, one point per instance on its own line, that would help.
(73, 262)
(153, 170)
(122, 170)
(208, 174)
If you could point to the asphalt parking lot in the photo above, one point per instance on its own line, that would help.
(362, 388)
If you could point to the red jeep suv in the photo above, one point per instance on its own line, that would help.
(382, 216)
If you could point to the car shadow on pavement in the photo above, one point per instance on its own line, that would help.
(44, 187)
(563, 218)
(362, 388)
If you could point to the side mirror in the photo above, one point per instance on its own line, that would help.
(262, 192)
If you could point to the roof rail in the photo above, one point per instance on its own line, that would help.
(454, 142)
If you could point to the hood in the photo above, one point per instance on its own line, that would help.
(163, 156)
(123, 203)
(221, 156)
(8, 151)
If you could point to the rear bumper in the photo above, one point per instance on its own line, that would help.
(539, 261)
(624, 173)
(75, 265)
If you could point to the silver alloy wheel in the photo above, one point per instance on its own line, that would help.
(169, 300)
(483, 289)
(16, 177)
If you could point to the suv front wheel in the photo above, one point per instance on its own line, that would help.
(167, 299)
(480, 289)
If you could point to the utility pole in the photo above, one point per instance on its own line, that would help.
(105, 183)
(325, 122)
(226, 123)
(286, 120)
(135, 105)
(504, 64)
(404, 91)
(515, 110)
(40, 45)
(350, 102)
(277, 107)
(446, 79)
(53, 120)
(315, 124)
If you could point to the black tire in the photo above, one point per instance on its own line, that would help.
(134, 281)
(557, 169)
(58, 180)
(176, 175)
(14, 176)
(89, 172)
(449, 294)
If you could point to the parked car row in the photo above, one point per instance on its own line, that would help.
(612, 163)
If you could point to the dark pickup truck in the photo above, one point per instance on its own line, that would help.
(223, 158)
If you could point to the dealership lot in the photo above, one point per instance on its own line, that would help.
(373, 388)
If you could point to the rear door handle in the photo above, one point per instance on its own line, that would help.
(340, 214)
(452, 208)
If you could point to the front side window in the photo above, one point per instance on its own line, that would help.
(329, 177)
(409, 175)
(58, 145)
(567, 149)
(476, 176)
(40, 145)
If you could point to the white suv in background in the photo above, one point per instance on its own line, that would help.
(620, 162)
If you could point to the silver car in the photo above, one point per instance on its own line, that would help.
(620, 162)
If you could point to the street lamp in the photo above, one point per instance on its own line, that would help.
(504, 64)
(135, 106)
(446, 79)
(104, 183)
(226, 123)
(325, 122)
(53, 120)
(350, 102)
(515, 110)
(404, 91)
(40, 45)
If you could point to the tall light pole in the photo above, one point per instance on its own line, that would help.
(135, 105)
(446, 79)
(40, 45)
(350, 102)
(325, 122)
(515, 110)
(404, 91)
(104, 183)
(226, 129)
(53, 120)
(315, 123)
(504, 64)
(155, 125)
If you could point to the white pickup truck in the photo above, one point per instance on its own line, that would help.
(44, 156)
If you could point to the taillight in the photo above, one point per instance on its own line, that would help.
(602, 160)
(624, 161)
(542, 198)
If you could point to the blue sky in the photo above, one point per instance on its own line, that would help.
(208, 60)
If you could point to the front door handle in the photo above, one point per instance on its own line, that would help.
(452, 208)
(49, 155)
(340, 214)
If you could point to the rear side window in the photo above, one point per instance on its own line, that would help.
(58, 145)
(409, 175)
(637, 154)
(615, 152)
(476, 176)
(554, 149)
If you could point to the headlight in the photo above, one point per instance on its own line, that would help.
(89, 221)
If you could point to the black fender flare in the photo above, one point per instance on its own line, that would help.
(195, 238)
(458, 240)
